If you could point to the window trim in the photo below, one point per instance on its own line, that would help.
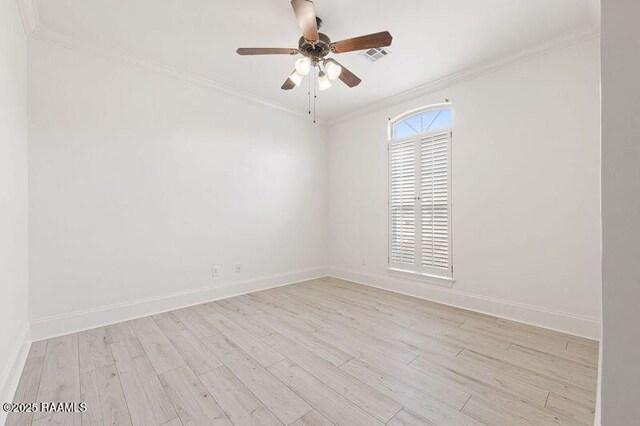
(419, 276)
(431, 275)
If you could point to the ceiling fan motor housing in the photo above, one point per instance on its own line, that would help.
(319, 49)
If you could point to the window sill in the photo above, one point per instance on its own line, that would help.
(426, 278)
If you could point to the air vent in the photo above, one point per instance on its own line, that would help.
(374, 54)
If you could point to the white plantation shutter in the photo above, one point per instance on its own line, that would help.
(419, 203)
(402, 158)
(434, 201)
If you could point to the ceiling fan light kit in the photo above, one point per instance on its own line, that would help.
(296, 78)
(314, 47)
(303, 66)
(333, 69)
(323, 81)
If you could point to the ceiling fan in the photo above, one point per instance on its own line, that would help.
(315, 46)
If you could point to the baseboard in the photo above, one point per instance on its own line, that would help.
(59, 325)
(13, 369)
(555, 320)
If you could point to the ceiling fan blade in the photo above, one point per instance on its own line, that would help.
(306, 15)
(382, 39)
(288, 84)
(346, 76)
(266, 51)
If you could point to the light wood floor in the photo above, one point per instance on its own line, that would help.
(315, 353)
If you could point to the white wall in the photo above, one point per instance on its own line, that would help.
(141, 183)
(526, 212)
(13, 198)
(620, 364)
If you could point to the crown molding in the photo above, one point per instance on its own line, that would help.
(29, 14)
(546, 48)
(121, 57)
(37, 31)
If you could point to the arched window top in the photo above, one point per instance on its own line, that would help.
(425, 120)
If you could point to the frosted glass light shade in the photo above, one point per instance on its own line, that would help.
(333, 70)
(303, 66)
(296, 78)
(323, 81)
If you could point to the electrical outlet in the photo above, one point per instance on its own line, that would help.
(363, 261)
(238, 268)
(214, 272)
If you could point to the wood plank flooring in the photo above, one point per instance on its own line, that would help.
(320, 352)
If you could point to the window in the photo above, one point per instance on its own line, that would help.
(420, 192)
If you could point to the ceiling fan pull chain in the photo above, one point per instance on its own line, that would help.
(309, 91)
(315, 97)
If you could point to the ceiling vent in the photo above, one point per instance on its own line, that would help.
(374, 54)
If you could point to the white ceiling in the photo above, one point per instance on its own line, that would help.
(432, 39)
